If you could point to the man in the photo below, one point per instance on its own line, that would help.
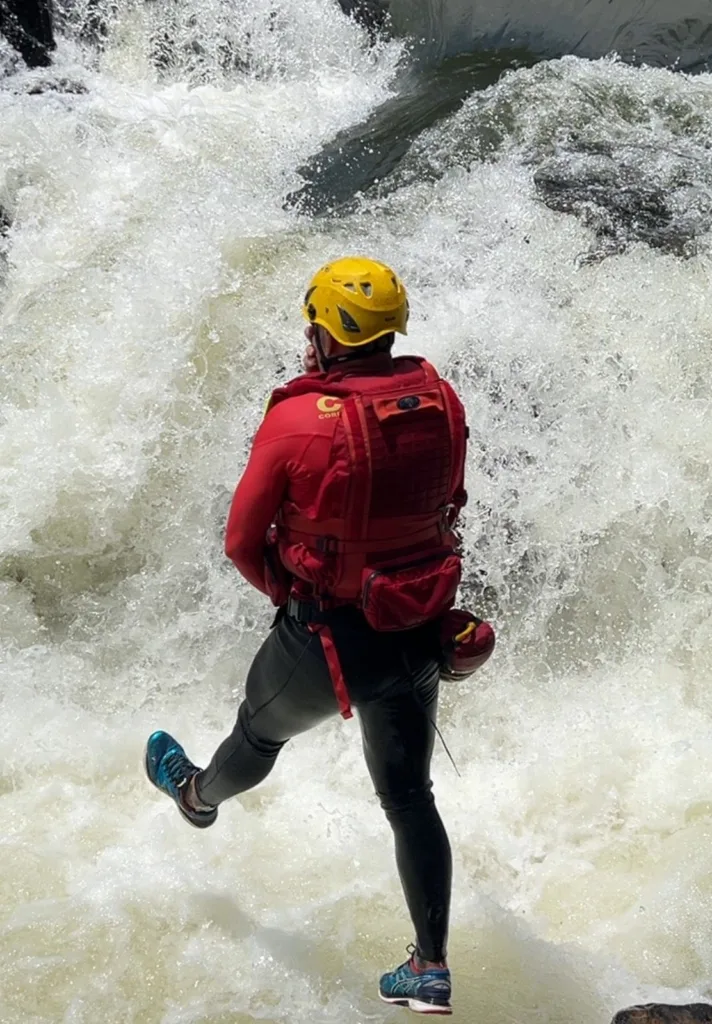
(344, 517)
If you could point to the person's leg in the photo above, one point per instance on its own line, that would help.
(288, 690)
(398, 733)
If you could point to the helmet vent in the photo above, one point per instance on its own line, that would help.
(366, 288)
(350, 285)
(347, 322)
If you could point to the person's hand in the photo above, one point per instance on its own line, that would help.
(309, 359)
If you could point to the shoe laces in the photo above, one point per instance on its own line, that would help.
(176, 766)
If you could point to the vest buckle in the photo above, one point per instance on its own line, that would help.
(328, 545)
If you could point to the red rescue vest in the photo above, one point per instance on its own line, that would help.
(379, 534)
(389, 492)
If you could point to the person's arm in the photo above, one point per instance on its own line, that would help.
(257, 498)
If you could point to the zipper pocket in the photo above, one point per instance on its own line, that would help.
(366, 589)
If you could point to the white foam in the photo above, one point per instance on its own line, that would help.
(154, 287)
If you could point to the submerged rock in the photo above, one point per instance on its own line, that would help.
(629, 196)
(664, 1013)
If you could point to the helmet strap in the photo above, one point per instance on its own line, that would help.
(324, 361)
(327, 362)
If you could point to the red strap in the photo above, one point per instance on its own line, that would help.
(457, 438)
(359, 492)
(429, 371)
(334, 665)
(430, 532)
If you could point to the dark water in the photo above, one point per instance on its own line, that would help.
(460, 46)
(658, 32)
(454, 48)
(369, 153)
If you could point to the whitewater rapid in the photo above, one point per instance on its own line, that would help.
(149, 299)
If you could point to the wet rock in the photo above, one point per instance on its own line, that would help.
(370, 14)
(27, 26)
(63, 85)
(39, 86)
(197, 52)
(368, 155)
(664, 1013)
(628, 196)
(5, 224)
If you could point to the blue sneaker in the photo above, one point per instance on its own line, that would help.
(422, 989)
(170, 770)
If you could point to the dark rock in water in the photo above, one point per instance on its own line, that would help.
(628, 197)
(368, 153)
(5, 222)
(667, 33)
(95, 22)
(663, 1013)
(371, 14)
(197, 50)
(27, 26)
(63, 85)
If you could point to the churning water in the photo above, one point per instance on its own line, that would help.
(149, 299)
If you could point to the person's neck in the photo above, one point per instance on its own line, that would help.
(380, 362)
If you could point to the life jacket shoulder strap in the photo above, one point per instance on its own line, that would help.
(360, 485)
(336, 385)
(458, 433)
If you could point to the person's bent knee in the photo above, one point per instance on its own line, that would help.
(395, 804)
(240, 763)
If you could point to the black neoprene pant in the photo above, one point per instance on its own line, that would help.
(392, 680)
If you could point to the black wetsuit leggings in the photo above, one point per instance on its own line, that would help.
(393, 683)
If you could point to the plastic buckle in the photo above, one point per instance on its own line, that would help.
(328, 545)
(307, 611)
(299, 610)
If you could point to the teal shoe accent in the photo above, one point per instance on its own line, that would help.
(421, 989)
(170, 771)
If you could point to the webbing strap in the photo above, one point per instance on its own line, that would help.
(334, 666)
(429, 533)
(360, 481)
(457, 439)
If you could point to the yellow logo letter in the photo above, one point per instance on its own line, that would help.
(328, 404)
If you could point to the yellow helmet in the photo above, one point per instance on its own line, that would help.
(357, 300)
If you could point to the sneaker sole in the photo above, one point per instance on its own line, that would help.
(191, 821)
(416, 1005)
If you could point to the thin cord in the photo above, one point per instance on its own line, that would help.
(437, 730)
(452, 760)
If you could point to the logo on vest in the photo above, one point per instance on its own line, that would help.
(328, 406)
(409, 402)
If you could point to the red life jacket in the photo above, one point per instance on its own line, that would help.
(390, 493)
(379, 534)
